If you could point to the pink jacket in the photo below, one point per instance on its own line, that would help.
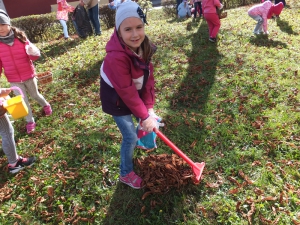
(209, 6)
(18, 66)
(261, 10)
(121, 69)
(63, 8)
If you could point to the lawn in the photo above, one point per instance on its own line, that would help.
(233, 104)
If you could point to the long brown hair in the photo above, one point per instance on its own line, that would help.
(19, 34)
(146, 45)
(147, 48)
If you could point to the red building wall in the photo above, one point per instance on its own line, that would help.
(17, 8)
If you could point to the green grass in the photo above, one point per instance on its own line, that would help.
(237, 101)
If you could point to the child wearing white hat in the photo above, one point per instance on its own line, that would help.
(127, 83)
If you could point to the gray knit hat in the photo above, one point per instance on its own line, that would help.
(4, 18)
(129, 9)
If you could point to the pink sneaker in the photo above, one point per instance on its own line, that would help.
(30, 127)
(132, 180)
(47, 110)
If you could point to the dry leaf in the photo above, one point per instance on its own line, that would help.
(50, 191)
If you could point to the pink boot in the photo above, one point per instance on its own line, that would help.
(47, 110)
(30, 127)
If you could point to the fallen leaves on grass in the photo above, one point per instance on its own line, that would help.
(163, 172)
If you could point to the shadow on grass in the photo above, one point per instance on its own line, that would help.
(262, 40)
(127, 206)
(58, 48)
(285, 27)
(191, 98)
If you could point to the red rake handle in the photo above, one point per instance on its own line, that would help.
(173, 147)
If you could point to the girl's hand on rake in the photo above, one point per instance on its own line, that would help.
(149, 124)
(153, 114)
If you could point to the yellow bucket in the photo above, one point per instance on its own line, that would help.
(16, 106)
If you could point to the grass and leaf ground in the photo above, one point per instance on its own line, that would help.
(233, 104)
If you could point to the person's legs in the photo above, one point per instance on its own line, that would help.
(209, 23)
(259, 24)
(29, 118)
(65, 28)
(128, 131)
(8, 140)
(94, 17)
(195, 9)
(200, 7)
(32, 89)
(216, 25)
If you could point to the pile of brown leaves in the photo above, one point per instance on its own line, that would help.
(163, 172)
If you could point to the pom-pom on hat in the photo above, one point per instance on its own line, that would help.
(129, 9)
(4, 18)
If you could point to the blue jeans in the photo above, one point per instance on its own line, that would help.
(259, 26)
(128, 131)
(94, 17)
(65, 28)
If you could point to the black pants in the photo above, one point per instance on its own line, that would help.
(283, 1)
(198, 8)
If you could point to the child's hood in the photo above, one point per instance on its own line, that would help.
(115, 44)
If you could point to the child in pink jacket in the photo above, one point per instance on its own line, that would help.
(16, 55)
(212, 18)
(262, 12)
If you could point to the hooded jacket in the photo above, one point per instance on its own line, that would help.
(127, 82)
(263, 11)
(18, 66)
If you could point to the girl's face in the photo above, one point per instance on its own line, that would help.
(132, 32)
(4, 30)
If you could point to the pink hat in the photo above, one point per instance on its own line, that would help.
(276, 9)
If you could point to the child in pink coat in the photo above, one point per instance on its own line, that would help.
(16, 55)
(262, 12)
(63, 9)
(212, 18)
